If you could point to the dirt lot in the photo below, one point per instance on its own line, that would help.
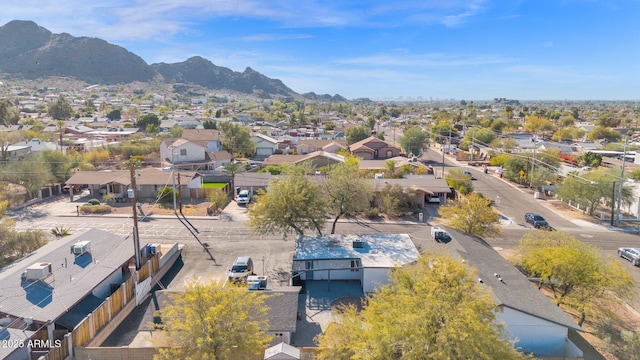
(196, 208)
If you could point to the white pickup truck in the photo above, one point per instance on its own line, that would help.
(243, 197)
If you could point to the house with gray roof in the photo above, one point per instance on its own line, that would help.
(533, 320)
(54, 289)
(281, 304)
(148, 181)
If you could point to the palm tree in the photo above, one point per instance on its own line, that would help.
(60, 124)
(233, 168)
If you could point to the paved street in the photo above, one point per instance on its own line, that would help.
(213, 243)
(209, 247)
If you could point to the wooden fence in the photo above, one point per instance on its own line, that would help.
(82, 333)
(116, 300)
(61, 352)
(101, 316)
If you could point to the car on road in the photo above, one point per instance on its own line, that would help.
(241, 269)
(536, 220)
(631, 254)
(469, 174)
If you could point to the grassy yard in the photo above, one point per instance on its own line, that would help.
(214, 185)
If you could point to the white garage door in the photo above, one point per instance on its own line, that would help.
(264, 151)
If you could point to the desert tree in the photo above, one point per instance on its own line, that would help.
(292, 203)
(208, 321)
(578, 275)
(347, 192)
(434, 309)
(473, 215)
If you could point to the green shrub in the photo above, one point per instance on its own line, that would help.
(94, 202)
(95, 209)
(165, 194)
(372, 213)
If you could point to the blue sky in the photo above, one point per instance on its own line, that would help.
(473, 50)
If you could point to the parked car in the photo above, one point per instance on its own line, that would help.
(241, 269)
(243, 197)
(469, 174)
(536, 220)
(631, 254)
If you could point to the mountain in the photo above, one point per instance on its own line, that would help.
(32, 52)
(200, 71)
(325, 97)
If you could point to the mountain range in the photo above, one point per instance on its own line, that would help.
(32, 52)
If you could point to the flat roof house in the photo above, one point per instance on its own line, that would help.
(53, 290)
(367, 258)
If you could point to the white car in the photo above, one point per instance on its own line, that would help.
(631, 254)
(244, 197)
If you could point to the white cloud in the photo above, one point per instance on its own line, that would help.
(422, 60)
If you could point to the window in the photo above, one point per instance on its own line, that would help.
(309, 265)
(183, 152)
(389, 154)
(355, 265)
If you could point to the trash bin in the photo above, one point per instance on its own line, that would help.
(536, 195)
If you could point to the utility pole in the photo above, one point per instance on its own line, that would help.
(442, 160)
(473, 140)
(613, 196)
(624, 158)
(173, 176)
(533, 163)
(179, 195)
(134, 204)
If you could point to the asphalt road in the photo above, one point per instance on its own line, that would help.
(210, 251)
(209, 247)
(514, 202)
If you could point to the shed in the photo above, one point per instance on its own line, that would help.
(282, 351)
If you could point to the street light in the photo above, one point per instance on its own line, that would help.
(533, 162)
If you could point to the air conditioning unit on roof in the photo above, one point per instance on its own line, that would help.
(80, 248)
(38, 271)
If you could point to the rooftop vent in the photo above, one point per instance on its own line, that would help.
(80, 248)
(359, 244)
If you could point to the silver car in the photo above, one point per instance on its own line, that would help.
(631, 254)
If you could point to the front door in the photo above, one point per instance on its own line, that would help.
(309, 274)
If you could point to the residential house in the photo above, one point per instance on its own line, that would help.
(37, 145)
(148, 182)
(218, 158)
(399, 162)
(193, 150)
(15, 152)
(112, 134)
(373, 148)
(281, 304)
(78, 130)
(563, 148)
(306, 146)
(365, 258)
(584, 147)
(54, 289)
(265, 145)
(533, 320)
(278, 159)
(425, 187)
